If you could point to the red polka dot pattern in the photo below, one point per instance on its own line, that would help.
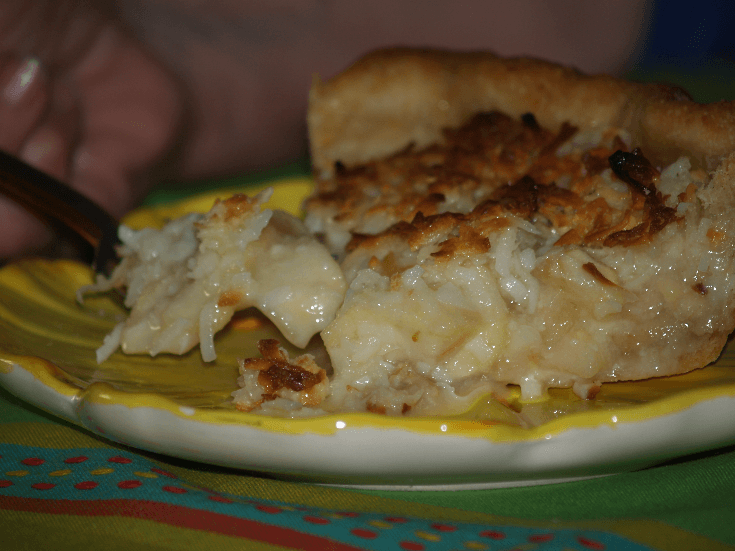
(78, 459)
(269, 509)
(129, 484)
(443, 527)
(316, 520)
(362, 533)
(367, 527)
(590, 544)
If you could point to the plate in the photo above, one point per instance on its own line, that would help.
(180, 406)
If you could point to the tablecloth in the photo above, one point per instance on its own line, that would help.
(64, 488)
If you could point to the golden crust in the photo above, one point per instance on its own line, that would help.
(489, 151)
(577, 212)
(394, 97)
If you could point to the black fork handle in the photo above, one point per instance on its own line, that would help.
(49, 199)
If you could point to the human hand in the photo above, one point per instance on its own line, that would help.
(82, 101)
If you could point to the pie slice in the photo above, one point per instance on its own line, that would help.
(516, 222)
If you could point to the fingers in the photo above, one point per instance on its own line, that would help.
(24, 100)
(132, 112)
(39, 124)
(50, 143)
(100, 121)
(21, 232)
(37, 118)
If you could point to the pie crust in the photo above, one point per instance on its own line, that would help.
(394, 97)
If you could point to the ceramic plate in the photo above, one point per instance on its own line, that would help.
(180, 406)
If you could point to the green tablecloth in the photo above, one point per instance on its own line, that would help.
(63, 488)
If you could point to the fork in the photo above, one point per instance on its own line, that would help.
(51, 200)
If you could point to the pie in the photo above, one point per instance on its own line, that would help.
(510, 221)
(499, 222)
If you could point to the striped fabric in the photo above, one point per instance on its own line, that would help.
(62, 488)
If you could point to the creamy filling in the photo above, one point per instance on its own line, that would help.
(185, 281)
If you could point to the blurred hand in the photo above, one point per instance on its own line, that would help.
(82, 101)
(112, 97)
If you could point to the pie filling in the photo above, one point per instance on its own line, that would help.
(185, 281)
(506, 254)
